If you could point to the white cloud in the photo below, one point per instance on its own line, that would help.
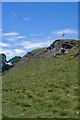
(11, 38)
(48, 37)
(10, 34)
(12, 14)
(26, 46)
(33, 45)
(26, 19)
(66, 31)
(6, 51)
(4, 44)
(0, 33)
(12, 52)
(9, 53)
(20, 37)
(15, 38)
(19, 51)
(0, 29)
(36, 35)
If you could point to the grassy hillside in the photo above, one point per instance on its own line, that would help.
(42, 88)
(0, 97)
(38, 51)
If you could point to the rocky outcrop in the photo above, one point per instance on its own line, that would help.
(66, 44)
(57, 48)
(4, 64)
(60, 47)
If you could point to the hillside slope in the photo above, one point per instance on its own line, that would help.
(45, 86)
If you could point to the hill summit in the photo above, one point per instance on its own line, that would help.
(56, 49)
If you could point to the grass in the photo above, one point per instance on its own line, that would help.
(42, 88)
(0, 97)
(47, 88)
(38, 51)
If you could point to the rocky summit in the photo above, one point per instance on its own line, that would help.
(57, 49)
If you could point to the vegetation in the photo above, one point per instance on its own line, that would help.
(5, 67)
(38, 51)
(3, 63)
(42, 88)
(15, 59)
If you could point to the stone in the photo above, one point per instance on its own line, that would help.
(66, 46)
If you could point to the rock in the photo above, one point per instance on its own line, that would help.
(45, 51)
(62, 51)
(66, 46)
(49, 48)
(27, 59)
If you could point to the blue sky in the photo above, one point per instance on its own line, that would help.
(27, 26)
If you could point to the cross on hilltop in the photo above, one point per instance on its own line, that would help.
(63, 34)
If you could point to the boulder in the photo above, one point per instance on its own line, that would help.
(66, 46)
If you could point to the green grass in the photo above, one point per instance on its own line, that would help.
(0, 97)
(42, 88)
(38, 51)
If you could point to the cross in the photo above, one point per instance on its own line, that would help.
(63, 34)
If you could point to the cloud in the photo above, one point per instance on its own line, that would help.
(20, 37)
(0, 29)
(15, 38)
(0, 33)
(25, 45)
(11, 36)
(12, 52)
(4, 44)
(66, 31)
(19, 51)
(26, 19)
(36, 35)
(48, 37)
(6, 51)
(12, 14)
(32, 44)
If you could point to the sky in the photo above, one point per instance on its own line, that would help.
(30, 25)
(40, 0)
